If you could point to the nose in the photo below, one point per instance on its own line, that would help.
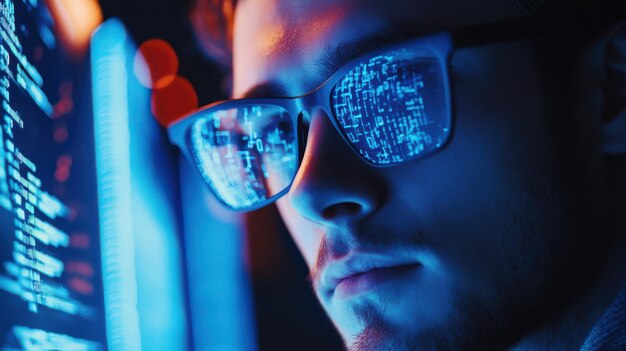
(333, 185)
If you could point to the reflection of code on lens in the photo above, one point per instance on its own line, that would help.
(246, 154)
(392, 109)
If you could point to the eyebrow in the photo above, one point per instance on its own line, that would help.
(344, 52)
(333, 58)
(263, 90)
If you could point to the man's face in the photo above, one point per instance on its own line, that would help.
(457, 250)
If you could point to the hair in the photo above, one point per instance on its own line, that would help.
(213, 20)
(538, 7)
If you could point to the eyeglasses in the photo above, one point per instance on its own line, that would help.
(391, 106)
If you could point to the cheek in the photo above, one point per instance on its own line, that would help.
(305, 234)
(474, 197)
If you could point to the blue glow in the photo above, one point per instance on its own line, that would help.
(114, 185)
(219, 290)
(393, 107)
(47, 36)
(27, 75)
(247, 154)
(5, 197)
(142, 255)
(50, 284)
(31, 339)
(157, 229)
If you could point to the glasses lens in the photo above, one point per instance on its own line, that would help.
(393, 108)
(246, 154)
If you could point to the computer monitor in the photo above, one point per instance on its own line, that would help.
(51, 294)
(139, 202)
(94, 254)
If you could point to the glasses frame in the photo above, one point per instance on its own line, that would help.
(567, 21)
(434, 46)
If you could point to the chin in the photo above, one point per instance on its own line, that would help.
(395, 318)
(427, 318)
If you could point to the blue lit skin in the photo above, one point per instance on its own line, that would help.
(484, 217)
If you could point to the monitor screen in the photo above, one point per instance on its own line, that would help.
(50, 277)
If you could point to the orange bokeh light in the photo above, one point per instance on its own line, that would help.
(60, 135)
(78, 267)
(80, 240)
(62, 174)
(155, 64)
(76, 20)
(82, 286)
(174, 100)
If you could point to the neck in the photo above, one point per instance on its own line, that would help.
(570, 329)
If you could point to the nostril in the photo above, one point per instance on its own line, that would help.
(342, 209)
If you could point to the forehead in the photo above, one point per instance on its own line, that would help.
(278, 41)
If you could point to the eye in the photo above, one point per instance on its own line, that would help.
(278, 131)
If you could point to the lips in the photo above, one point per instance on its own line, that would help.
(358, 273)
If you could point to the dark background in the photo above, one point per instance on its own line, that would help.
(287, 314)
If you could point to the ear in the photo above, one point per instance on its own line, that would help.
(614, 111)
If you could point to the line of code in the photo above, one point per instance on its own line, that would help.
(48, 277)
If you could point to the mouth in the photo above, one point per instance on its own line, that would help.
(361, 273)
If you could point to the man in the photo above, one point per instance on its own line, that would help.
(452, 186)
